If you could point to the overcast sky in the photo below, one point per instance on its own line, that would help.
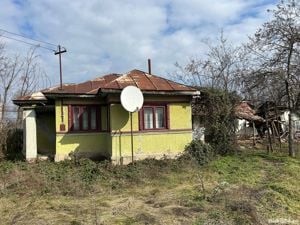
(116, 36)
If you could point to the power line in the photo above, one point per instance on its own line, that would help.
(25, 42)
(48, 43)
(59, 51)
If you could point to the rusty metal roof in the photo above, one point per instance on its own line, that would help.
(88, 87)
(140, 79)
(244, 111)
(145, 82)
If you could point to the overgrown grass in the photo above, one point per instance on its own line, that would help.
(245, 188)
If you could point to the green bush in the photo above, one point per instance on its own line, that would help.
(215, 110)
(200, 151)
(220, 138)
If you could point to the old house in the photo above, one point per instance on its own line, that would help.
(247, 120)
(88, 119)
(277, 117)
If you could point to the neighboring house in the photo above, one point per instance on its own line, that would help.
(284, 118)
(267, 115)
(247, 120)
(276, 116)
(88, 119)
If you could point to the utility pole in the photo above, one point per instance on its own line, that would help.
(60, 51)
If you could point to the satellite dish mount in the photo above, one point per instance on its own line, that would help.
(132, 100)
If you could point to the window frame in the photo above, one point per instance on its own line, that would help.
(153, 107)
(89, 109)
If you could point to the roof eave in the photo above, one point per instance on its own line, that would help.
(191, 93)
(29, 102)
(69, 95)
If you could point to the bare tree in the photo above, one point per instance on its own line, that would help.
(19, 76)
(216, 74)
(219, 68)
(8, 75)
(31, 78)
(276, 48)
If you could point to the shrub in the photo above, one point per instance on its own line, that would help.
(200, 151)
(215, 110)
(14, 144)
(220, 138)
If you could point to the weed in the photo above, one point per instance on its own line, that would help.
(75, 222)
(200, 151)
(145, 218)
(235, 189)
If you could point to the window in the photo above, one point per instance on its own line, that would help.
(84, 118)
(148, 118)
(153, 117)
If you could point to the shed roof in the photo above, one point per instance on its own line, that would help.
(244, 111)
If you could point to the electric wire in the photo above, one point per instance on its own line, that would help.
(25, 42)
(23, 36)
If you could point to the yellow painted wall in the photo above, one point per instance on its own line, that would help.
(151, 143)
(58, 119)
(180, 116)
(120, 119)
(97, 143)
(118, 145)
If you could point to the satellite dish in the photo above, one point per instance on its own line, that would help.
(132, 99)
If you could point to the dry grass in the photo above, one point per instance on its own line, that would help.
(249, 188)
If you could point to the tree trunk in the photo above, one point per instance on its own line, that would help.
(270, 147)
(291, 147)
(291, 136)
(3, 107)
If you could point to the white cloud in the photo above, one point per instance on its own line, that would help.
(116, 36)
(195, 12)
